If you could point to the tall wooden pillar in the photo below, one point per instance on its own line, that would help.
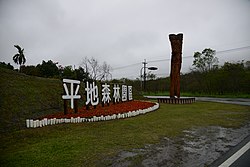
(176, 60)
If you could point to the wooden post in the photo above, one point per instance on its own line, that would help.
(87, 107)
(76, 106)
(176, 60)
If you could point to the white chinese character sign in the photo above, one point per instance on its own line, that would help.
(124, 93)
(106, 94)
(72, 94)
(92, 94)
(71, 88)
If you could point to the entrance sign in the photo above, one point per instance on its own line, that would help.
(92, 94)
(106, 93)
(91, 97)
(73, 94)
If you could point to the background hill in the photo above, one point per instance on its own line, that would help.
(23, 97)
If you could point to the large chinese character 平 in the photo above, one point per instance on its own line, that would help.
(92, 94)
(116, 94)
(73, 94)
(106, 93)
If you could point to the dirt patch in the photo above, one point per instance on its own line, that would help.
(198, 147)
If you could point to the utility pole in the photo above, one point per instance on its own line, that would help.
(144, 75)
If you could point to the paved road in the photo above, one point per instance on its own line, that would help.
(239, 156)
(239, 101)
(243, 161)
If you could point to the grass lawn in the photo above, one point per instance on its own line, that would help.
(85, 144)
(23, 96)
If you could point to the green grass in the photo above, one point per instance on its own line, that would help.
(25, 97)
(86, 144)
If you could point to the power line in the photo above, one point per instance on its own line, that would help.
(186, 57)
(234, 49)
(153, 61)
(122, 67)
(218, 52)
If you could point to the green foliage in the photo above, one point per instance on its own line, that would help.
(81, 74)
(6, 66)
(48, 69)
(68, 72)
(231, 78)
(159, 85)
(150, 76)
(205, 61)
(91, 69)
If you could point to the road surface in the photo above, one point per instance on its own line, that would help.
(238, 156)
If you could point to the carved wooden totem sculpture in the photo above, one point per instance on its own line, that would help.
(176, 59)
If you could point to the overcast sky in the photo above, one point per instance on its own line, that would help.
(123, 32)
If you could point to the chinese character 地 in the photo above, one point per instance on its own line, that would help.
(73, 94)
(92, 94)
(106, 93)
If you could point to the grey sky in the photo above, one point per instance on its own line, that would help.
(122, 32)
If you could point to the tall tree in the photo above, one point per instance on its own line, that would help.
(206, 60)
(19, 58)
(81, 74)
(105, 71)
(94, 70)
(48, 69)
(69, 73)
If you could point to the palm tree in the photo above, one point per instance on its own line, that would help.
(19, 58)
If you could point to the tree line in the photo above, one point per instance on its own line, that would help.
(90, 68)
(207, 77)
(231, 78)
